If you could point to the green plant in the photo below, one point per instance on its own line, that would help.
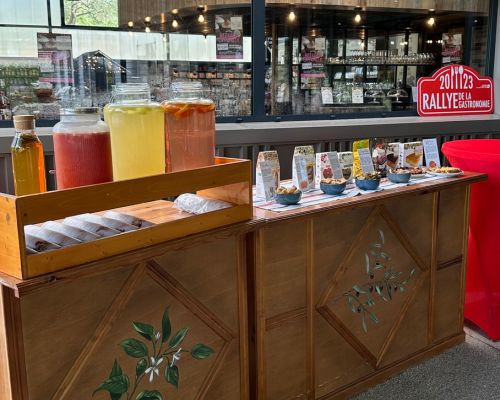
(162, 351)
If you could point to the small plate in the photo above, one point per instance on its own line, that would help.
(450, 175)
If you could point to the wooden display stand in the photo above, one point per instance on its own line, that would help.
(229, 180)
(290, 277)
(351, 293)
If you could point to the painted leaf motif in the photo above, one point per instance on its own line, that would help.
(178, 337)
(145, 330)
(166, 327)
(358, 289)
(353, 307)
(363, 323)
(116, 385)
(172, 375)
(149, 395)
(200, 351)
(141, 366)
(134, 348)
(382, 237)
(373, 317)
(116, 370)
(367, 263)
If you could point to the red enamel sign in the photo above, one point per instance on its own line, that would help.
(455, 90)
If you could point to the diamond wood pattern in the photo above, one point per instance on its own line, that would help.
(91, 312)
(302, 304)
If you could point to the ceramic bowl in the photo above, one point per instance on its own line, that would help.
(399, 178)
(368, 184)
(333, 189)
(288, 199)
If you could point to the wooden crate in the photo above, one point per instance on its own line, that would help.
(228, 180)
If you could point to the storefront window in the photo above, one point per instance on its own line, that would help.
(322, 60)
(333, 59)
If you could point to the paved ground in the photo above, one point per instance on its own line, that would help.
(470, 371)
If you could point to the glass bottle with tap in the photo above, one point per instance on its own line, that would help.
(136, 127)
(27, 157)
(189, 128)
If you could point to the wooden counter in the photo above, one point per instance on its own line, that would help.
(288, 277)
(350, 293)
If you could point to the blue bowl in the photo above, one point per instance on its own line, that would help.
(368, 184)
(288, 199)
(399, 178)
(333, 189)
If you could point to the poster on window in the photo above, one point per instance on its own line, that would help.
(229, 37)
(55, 57)
(452, 48)
(312, 51)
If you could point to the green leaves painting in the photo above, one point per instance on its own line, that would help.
(134, 348)
(384, 282)
(153, 356)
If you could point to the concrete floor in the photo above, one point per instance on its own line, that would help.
(470, 371)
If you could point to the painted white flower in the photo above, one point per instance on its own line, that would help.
(176, 357)
(153, 369)
(157, 336)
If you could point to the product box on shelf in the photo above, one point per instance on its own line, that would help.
(229, 180)
(267, 174)
(411, 154)
(346, 160)
(327, 166)
(303, 165)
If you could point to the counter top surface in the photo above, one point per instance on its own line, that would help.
(467, 178)
(260, 218)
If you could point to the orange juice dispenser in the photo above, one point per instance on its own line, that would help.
(189, 128)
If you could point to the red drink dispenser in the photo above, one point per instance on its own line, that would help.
(82, 148)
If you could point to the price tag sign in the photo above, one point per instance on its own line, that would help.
(365, 159)
(333, 157)
(431, 152)
(455, 90)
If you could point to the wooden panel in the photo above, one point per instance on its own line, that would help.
(451, 223)
(5, 387)
(417, 229)
(333, 235)
(64, 316)
(284, 256)
(285, 354)
(39, 207)
(190, 265)
(326, 265)
(411, 336)
(201, 284)
(337, 363)
(448, 319)
(11, 241)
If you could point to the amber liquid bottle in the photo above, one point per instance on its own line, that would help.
(27, 157)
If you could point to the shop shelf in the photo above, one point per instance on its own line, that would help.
(229, 180)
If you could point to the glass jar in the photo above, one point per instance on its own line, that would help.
(28, 163)
(82, 148)
(189, 128)
(137, 132)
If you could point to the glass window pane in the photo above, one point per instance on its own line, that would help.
(24, 12)
(103, 13)
(332, 59)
